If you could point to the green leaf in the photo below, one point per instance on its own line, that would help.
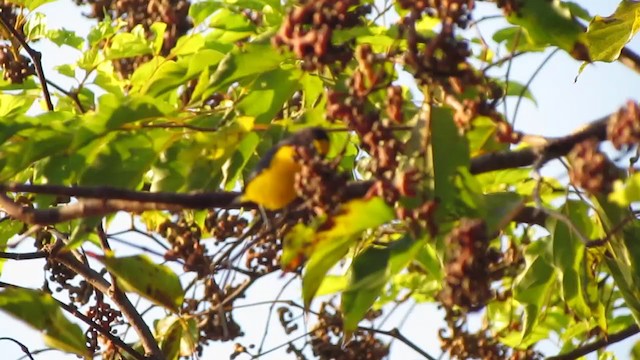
(157, 30)
(8, 228)
(65, 37)
(157, 76)
(36, 26)
(546, 22)
(335, 237)
(251, 61)
(238, 161)
(355, 216)
(482, 137)
(156, 283)
(368, 276)
(516, 39)
(325, 256)
(450, 152)
(188, 44)
(104, 30)
(228, 26)
(129, 44)
(514, 88)
(627, 191)
(177, 336)
(67, 70)
(30, 4)
(122, 159)
(533, 285)
(201, 10)
(13, 105)
(607, 36)
(332, 284)
(40, 311)
(568, 253)
(268, 94)
(500, 208)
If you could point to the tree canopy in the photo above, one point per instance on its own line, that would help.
(429, 193)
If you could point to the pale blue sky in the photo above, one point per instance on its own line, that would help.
(563, 105)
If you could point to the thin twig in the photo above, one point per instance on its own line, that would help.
(528, 84)
(35, 56)
(396, 334)
(22, 346)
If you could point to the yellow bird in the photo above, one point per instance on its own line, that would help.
(272, 183)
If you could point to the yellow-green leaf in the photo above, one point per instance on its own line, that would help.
(156, 283)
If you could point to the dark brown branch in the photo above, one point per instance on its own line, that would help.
(73, 95)
(630, 59)
(35, 56)
(553, 149)
(23, 256)
(596, 345)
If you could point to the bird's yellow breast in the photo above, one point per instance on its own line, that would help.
(274, 186)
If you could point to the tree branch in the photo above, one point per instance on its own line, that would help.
(553, 149)
(596, 345)
(23, 256)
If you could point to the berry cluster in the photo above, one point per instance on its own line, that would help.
(468, 272)
(624, 127)
(104, 316)
(326, 342)
(460, 344)
(184, 238)
(590, 168)
(15, 67)
(308, 31)
(319, 182)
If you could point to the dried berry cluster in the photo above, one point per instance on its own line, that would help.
(326, 342)
(184, 238)
(223, 225)
(377, 138)
(263, 256)
(15, 66)
(174, 13)
(450, 11)
(59, 273)
(469, 268)
(460, 344)
(308, 30)
(218, 326)
(624, 127)
(442, 62)
(375, 134)
(319, 182)
(590, 168)
(103, 316)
